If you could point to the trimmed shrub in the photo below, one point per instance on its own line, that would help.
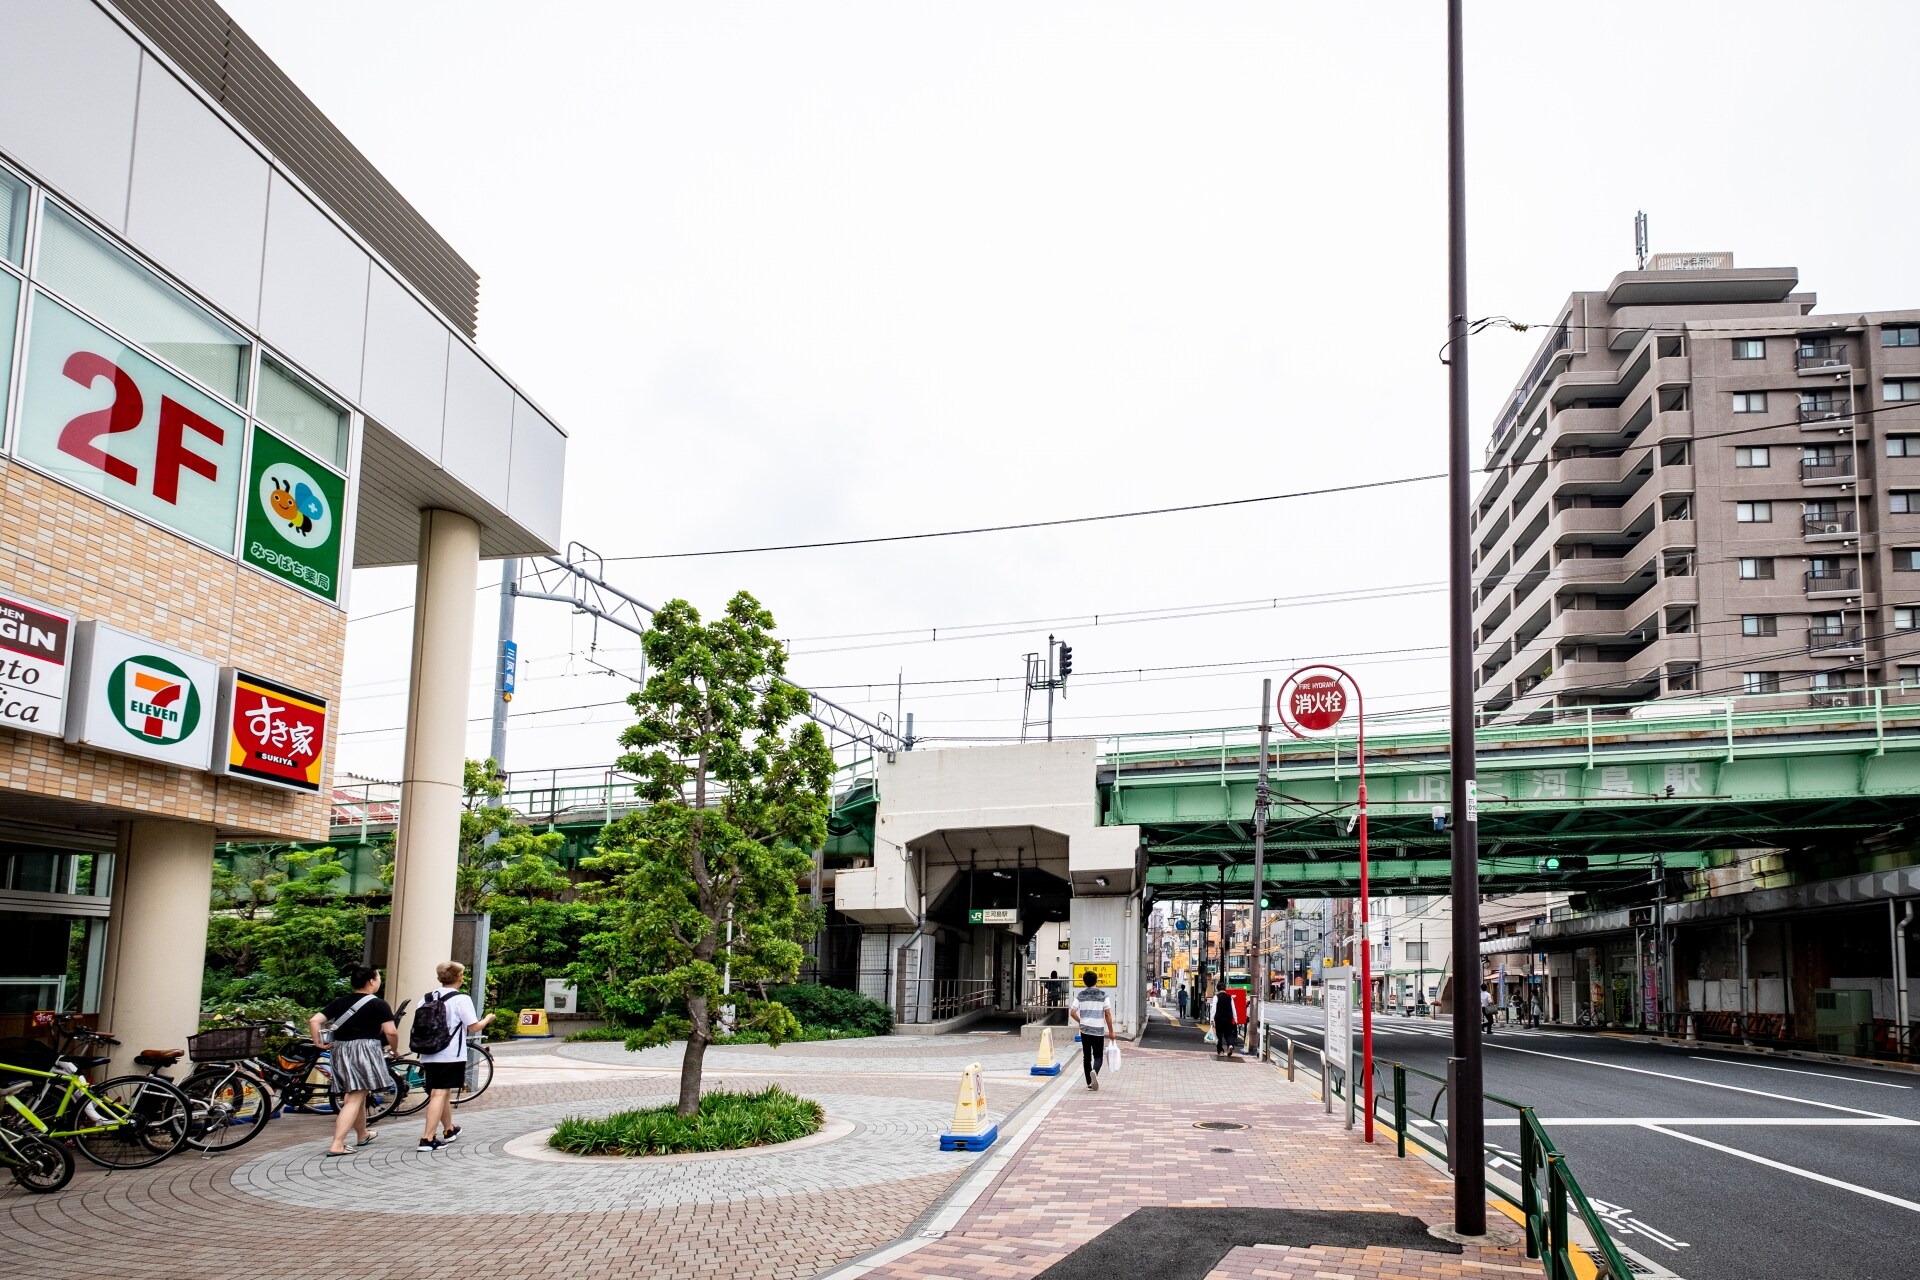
(834, 1009)
(725, 1122)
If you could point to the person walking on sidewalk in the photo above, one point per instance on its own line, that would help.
(1486, 1010)
(1094, 1012)
(1183, 1001)
(363, 1034)
(441, 1042)
(1225, 1036)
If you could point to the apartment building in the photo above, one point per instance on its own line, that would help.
(1702, 487)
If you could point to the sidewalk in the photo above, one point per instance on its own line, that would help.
(1133, 1148)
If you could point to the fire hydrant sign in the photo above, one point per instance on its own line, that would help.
(35, 648)
(137, 697)
(1316, 703)
(275, 734)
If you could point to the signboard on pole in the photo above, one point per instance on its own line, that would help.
(1337, 1068)
(36, 645)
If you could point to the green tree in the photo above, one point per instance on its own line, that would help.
(733, 800)
(491, 841)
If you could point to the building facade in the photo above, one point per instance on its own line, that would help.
(235, 366)
(1701, 488)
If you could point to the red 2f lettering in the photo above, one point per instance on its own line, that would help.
(171, 456)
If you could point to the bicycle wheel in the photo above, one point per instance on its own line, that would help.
(39, 1166)
(318, 1081)
(479, 1071)
(131, 1122)
(230, 1106)
(382, 1102)
(414, 1099)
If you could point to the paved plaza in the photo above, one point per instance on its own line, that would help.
(872, 1196)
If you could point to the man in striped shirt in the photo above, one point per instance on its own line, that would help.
(1094, 1012)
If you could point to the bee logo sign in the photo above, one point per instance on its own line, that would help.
(34, 651)
(135, 697)
(155, 700)
(276, 734)
(293, 521)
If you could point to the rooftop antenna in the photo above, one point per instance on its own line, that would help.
(1640, 238)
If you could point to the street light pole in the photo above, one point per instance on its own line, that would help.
(1256, 961)
(1463, 1099)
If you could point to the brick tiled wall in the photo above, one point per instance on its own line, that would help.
(64, 549)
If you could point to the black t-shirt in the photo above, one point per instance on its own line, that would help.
(364, 1025)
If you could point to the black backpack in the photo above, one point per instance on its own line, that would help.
(431, 1031)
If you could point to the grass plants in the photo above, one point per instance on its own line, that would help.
(725, 1122)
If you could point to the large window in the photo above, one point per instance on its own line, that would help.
(1904, 335)
(97, 277)
(1903, 446)
(1758, 624)
(305, 417)
(1755, 568)
(1749, 402)
(1760, 682)
(1755, 455)
(1753, 512)
(1749, 348)
(1898, 389)
(13, 217)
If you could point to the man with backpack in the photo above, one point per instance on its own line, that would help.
(439, 1039)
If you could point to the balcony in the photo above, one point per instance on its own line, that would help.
(1832, 582)
(1822, 357)
(1836, 640)
(1828, 412)
(1838, 470)
(1830, 524)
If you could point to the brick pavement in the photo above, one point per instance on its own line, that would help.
(1098, 1156)
(276, 1210)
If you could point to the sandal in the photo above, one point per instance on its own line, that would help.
(371, 1135)
(335, 1155)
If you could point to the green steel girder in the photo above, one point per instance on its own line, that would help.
(1388, 876)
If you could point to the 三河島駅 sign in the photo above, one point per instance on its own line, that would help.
(275, 734)
(137, 697)
(294, 524)
(35, 646)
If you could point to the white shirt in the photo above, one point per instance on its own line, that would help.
(1486, 998)
(460, 1015)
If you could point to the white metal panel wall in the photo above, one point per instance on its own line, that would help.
(405, 387)
(199, 200)
(477, 443)
(313, 292)
(68, 82)
(537, 480)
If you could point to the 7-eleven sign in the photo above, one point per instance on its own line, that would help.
(143, 699)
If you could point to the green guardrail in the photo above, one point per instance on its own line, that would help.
(1550, 1196)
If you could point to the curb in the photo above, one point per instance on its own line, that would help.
(1762, 1051)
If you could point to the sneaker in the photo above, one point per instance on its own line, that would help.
(430, 1144)
(452, 1136)
(1094, 1084)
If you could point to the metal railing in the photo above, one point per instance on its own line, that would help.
(1838, 467)
(1828, 523)
(1824, 638)
(1559, 340)
(1837, 409)
(938, 999)
(1822, 355)
(1833, 580)
(1548, 1197)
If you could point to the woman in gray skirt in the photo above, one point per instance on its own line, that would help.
(363, 1033)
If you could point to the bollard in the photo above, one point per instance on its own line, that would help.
(532, 1025)
(1289, 1061)
(1400, 1109)
(970, 1130)
(1043, 1063)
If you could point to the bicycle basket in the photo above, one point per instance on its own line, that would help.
(226, 1044)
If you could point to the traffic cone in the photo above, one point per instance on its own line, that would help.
(1043, 1063)
(970, 1130)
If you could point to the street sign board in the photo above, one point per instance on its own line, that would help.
(1338, 1038)
(1104, 975)
(509, 668)
(35, 648)
(140, 698)
(274, 733)
(993, 915)
(1316, 703)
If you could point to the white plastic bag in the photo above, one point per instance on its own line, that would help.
(1112, 1064)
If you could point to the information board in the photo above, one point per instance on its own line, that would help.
(1338, 986)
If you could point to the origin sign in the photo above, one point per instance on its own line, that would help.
(35, 648)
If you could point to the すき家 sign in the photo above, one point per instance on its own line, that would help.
(35, 646)
(275, 734)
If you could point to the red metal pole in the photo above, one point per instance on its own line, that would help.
(1366, 938)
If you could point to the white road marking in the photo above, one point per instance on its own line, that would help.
(1868, 1192)
(1711, 1084)
(1818, 1075)
(1727, 1122)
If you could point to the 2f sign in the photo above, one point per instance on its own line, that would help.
(106, 419)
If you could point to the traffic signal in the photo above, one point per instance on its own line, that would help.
(1560, 864)
(1066, 660)
(1264, 903)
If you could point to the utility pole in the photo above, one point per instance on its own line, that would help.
(1256, 958)
(505, 663)
(1468, 1127)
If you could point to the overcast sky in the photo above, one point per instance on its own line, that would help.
(801, 271)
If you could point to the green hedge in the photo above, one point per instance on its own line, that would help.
(725, 1122)
(834, 1009)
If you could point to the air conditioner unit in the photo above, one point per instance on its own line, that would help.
(1833, 526)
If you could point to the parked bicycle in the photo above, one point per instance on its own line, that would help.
(38, 1165)
(231, 1103)
(300, 1076)
(128, 1122)
(479, 1076)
